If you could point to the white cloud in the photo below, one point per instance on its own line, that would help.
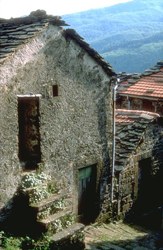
(15, 8)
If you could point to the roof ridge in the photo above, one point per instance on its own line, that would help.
(35, 16)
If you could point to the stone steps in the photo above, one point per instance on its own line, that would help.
(45, 202)
(69, 238)
(51, 211)
(50, 205)
(57, 222)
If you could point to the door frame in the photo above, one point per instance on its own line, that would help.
(95, 169)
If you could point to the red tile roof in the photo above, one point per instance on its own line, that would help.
(148, 86)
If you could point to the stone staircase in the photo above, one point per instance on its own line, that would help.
(50, 212)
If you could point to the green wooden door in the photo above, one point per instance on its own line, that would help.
(87, 194)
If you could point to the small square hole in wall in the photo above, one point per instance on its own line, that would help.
(55, 90)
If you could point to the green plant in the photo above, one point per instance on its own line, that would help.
(44, 213)
(52, 187)
(68, 220)
(36, 183)
(34, 179)
(56, 206)
(9, 242)
(63, 222)
(57, 225)
(37, 194)
(41, 244)
(77, 237)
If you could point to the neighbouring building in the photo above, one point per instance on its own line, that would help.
(138, 163)
(56, 117)
(142, 91)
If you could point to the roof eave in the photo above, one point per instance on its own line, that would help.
(142, 97)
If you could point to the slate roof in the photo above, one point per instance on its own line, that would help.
(130, 126)
(17, 31)
(72, 34)
(148, 85)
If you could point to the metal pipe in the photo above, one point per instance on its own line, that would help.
(113, 143)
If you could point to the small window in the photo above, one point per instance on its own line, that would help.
(55, 90)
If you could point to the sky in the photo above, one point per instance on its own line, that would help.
(17, 8)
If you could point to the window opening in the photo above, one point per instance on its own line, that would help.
(29, 133)
(55, 90)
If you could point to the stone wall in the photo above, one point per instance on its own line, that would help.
(75, 126)
(150, 150)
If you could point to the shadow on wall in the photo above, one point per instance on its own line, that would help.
(151, 219)
(104, 135)
(147, 209)
(16, 217)
(102, 121)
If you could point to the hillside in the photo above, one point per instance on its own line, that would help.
(129, 35)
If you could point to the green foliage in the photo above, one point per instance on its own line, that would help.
(63, 222)
(41, 244)
(129, 35)
(52, 187)
(40, 186)
(9, 242)
(56, 206)
(34, 179)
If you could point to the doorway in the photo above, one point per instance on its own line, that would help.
(87, 194)
(29, 131)
(144, 184)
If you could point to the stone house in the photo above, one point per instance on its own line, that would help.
(142, 91)
(56, 138)
(56, 118)
(138, 163)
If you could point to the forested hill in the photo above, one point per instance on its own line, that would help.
(129, 35)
